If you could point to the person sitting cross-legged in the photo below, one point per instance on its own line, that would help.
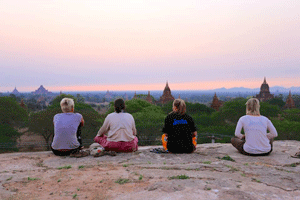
(180, 133)
(256, 141)
(67, 131)
(118, 132)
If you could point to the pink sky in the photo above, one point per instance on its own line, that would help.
(139, 45)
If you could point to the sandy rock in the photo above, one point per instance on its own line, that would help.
(146, 175)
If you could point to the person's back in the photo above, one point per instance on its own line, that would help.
(179, 130)
(121, 127)
(65, 128)
(256, 137)
(256, 141)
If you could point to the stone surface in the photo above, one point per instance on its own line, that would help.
(146, 175)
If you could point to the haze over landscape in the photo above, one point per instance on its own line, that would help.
(139, 45)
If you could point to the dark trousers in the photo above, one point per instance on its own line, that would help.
(239, 143)
(68, 152)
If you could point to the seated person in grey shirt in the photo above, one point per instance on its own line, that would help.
(67, 131)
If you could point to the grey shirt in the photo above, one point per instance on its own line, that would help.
(65, 129)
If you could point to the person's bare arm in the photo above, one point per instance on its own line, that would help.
(82, 122)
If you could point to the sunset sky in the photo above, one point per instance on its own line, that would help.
(93, 45)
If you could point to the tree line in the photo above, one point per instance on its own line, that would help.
(149, 119)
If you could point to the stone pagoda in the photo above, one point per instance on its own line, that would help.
(167, 96)
(264, 93)
(15, 91)
(289, 102)
(216, 103)
(149, 98)
(41, 91)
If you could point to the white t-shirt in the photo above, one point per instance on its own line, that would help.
(119, 127)
(65, 130)
(256, 136)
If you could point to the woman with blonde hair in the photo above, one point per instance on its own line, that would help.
(67, 131)
(180, 133)
(256, 141)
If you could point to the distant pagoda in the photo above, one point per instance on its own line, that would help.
(149, 98)
(264, 93)
(41, 91)
(108, 95)
(167, 96)
(15, 91)
(216, 103)
(289, 102)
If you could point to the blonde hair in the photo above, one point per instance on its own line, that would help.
(180, 105)
(67, 104)
(252, 107)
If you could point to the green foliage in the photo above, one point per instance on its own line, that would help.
(167, 108)
(65, 167)
(269, 110)
(292, 114)
(277, 102)
(149, 122)
(197, 108)
(233, 110)
(8, 138)
(287, 130)
(122, 181)
(183, 176)
(227, 157)
(12, 113)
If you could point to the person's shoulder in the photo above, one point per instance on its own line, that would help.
(264, 118)
(245, 117)
(58, 115)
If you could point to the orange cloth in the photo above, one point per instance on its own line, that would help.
(165, 141)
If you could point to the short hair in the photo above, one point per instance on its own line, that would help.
(180, 105)
(252, 106)
(119, 105)
(67, 104)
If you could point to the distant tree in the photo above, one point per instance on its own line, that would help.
(149, 123)
(292, 114)
(197, 108)
(233, 110)
(277, 101)
(287, 130)
(269, 110)
(8, 138)
(12, 113)
(296, 99)
(79, 98)
(12, 116)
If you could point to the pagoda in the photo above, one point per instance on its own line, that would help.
(135, 97)
(264, 93)
(149, 98)
(41, 91)
(167, 96)
(15, 91)
(289, 102)
(216, 103)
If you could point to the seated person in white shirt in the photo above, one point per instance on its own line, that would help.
(118, 132)
(256, 141)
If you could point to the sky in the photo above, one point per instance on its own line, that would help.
(92, 45)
